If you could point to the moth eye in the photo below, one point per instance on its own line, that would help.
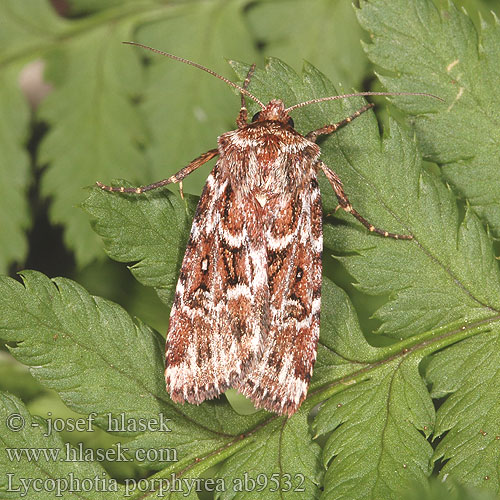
(290, 122)
(255, 117)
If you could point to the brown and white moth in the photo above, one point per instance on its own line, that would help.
(246, 312)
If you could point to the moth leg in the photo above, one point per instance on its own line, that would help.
(329, 129)
(181, 174)
(241, 121)
(345, 204)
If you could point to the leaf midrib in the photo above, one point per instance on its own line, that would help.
(421, 346)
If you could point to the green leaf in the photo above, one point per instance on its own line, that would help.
(378, 448)
(451, 490)
(14, 170)
(447, 273)
(21, 35)
(272, 466)
(18, 36)
(380, 411)
(328, 26)
(476, 9)
(86, 6)
(57, 321)
(103, 119)
(105, 132)
(443, 53)
(468, 374)
(16, 379)
(150, 230)
(53, 474)
(341, 340)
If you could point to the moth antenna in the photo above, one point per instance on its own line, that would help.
(199, 66)
(358, 94)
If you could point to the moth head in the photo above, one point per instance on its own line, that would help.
(275, 111)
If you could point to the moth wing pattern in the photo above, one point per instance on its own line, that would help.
(216, 328)
(279, 380)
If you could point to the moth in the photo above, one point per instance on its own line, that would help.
(246, 312)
